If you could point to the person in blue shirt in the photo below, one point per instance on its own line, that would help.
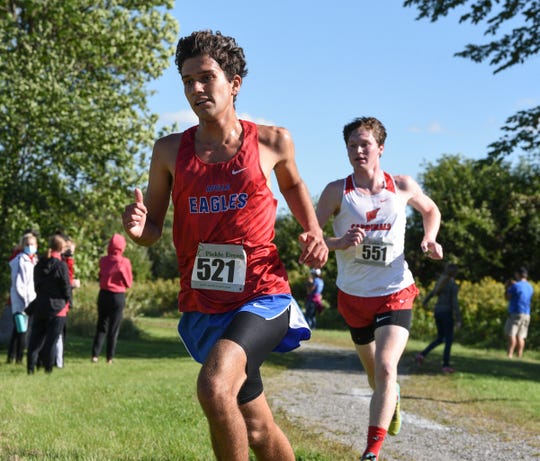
(519, 293)
(314, 306)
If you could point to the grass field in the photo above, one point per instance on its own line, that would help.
(143, 407)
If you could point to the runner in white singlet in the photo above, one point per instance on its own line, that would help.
(376, 288)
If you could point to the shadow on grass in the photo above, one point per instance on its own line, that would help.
(478, 366)
(346, 360)
(140, 345)
(339, 360)
(461, 401)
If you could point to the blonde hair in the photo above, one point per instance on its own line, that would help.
(27, 236)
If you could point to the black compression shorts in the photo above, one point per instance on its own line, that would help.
(365, 335)
(258, 337)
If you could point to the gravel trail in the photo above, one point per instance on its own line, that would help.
(329, 394)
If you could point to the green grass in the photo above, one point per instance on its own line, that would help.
(494, 393)
(143, 407)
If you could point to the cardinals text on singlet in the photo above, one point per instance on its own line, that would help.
(374, 227)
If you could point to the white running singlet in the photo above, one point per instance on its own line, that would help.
(377, 266)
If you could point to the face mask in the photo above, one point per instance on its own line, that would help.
(30, 249)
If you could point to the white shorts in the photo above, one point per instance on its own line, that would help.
(517, 325)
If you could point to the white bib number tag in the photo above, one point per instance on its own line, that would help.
(374, 252)
(219, 267)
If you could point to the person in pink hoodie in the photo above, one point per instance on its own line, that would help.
(115, 277)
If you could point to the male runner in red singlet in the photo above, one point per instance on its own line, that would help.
(376, 288)
(235, 297)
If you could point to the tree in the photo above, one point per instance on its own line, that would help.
(490, 218)
(521, 20)
(76, 128)
(162, 254)
(287, 231)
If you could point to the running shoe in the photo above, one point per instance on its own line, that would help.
(369, 457)
(419, 359)
(395, 423)
(447, 370)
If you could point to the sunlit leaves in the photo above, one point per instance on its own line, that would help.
(76, 131)
(490, 216)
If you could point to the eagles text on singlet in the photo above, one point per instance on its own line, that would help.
(217, 203)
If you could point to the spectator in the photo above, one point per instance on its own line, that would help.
(53, 290)
(314, 305)
(69, 259)
(446, 313)
(22, 292)
(519, 294)
(115, 277)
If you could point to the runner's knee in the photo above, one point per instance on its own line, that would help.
(212, 392)
(385, 372)
(258, 432)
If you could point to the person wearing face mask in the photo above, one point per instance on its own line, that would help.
(22, 292)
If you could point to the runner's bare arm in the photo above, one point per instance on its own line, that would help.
(143, 219)
(329, 205)
(277, 153)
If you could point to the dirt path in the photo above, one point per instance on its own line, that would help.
(329, 394)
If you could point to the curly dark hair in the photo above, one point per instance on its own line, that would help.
(224, 50)
(367, 123)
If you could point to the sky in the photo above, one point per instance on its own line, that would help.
(314, 66)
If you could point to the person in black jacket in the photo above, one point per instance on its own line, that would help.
(53, 290)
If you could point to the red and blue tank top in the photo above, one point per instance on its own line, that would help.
(223, 230)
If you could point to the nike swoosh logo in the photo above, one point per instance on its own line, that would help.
(238, 171)
(260, 306)
(380, 319)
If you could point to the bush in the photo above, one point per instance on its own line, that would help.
(146, 299)
(331, 319)
(484, 312)
(483, 309)
(154, 298)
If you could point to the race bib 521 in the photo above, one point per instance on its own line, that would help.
(219, 267)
